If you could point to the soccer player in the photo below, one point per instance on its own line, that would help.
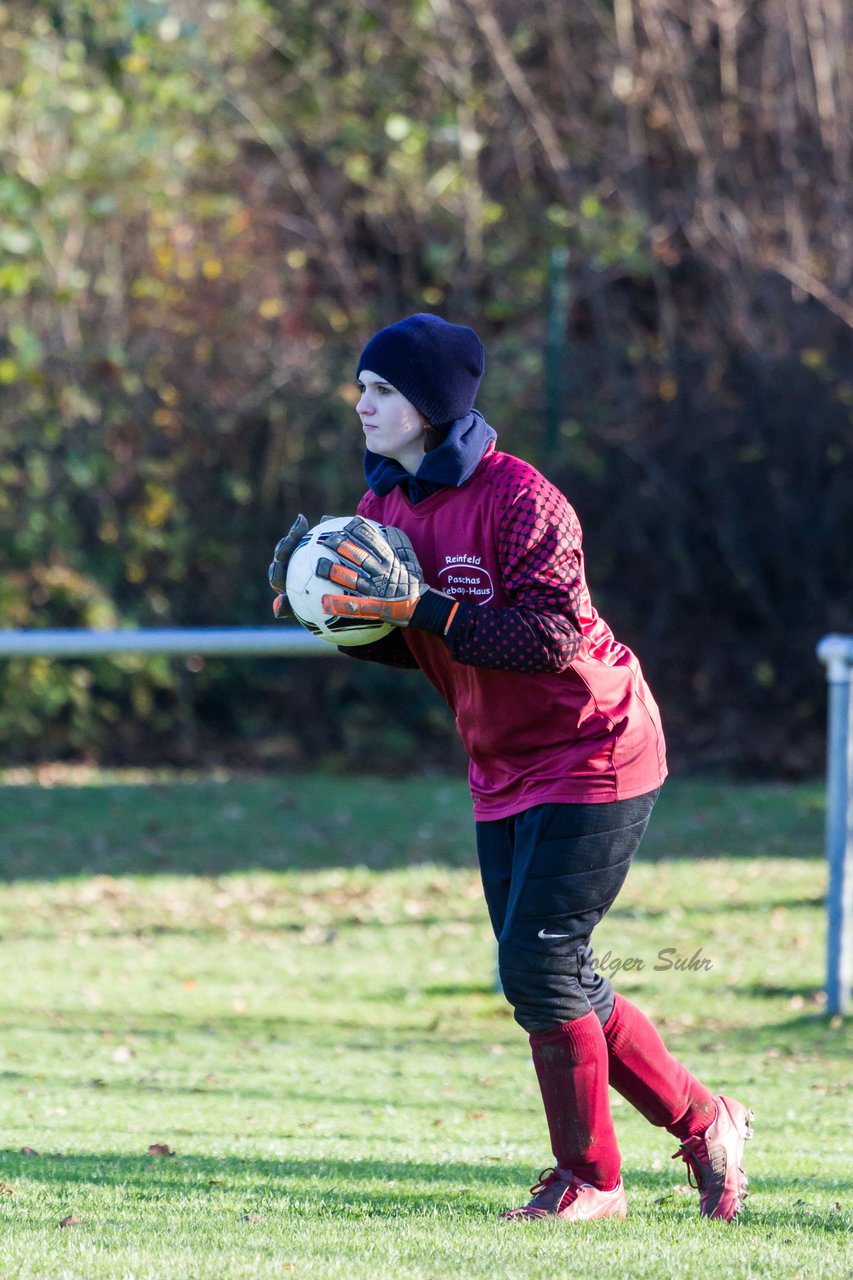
(482, 575)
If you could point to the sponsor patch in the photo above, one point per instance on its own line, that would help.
(464, 578)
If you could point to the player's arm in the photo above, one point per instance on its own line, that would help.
(539, 548)
(391, 651)
(540, 553)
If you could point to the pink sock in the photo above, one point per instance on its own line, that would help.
(571, 1064)
(644, 1071)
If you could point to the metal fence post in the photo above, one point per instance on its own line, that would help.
(837, 653)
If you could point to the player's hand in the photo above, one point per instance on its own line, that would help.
(386, 577)
(384, 566)
(285, 548)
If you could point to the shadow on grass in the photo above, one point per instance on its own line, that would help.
(773, 991)
(209, 827)
(812, 1035)
(317, 1099)
(714, 907)
(287, 928)
(460, 989)
(798, 1041)
(357, 1189)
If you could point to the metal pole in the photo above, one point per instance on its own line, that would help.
(275, 639)
(837, 653)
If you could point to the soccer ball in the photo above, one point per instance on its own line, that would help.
(305, 590)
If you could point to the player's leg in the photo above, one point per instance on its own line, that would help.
(640, 1066)
(577, 1060)
(647, 1075)
(712, 1129)
(568, 862)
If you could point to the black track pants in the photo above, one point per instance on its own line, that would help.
(549, 874)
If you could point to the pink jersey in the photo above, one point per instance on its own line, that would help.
(550, 707)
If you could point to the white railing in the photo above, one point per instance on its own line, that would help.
(836, 652)
(79, 643)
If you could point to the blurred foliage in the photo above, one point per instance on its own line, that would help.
(205, 210)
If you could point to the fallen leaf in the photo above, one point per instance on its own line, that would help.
(160, 1149)
(253, 1217)
(28, 1151)
(70, 1222)
(6, 1190)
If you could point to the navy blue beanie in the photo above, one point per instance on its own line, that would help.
(436, 365)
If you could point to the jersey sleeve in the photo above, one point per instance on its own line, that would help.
(539, 550)
(391, 651)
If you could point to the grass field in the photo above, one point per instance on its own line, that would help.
(289, 985)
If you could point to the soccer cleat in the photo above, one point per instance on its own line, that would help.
(572, 1200)
(715, 1158)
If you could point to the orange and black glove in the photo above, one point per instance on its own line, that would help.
(284, 549)
(387, 579)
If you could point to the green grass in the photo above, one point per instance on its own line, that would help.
(289, 983)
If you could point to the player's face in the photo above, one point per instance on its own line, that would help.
(391, 423)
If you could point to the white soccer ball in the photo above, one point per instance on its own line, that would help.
(305, 590)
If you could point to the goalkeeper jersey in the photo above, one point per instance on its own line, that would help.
(550, 707)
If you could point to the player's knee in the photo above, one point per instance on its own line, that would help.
(596, 987)
(544, 992)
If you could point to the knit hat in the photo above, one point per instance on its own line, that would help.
(437, 366)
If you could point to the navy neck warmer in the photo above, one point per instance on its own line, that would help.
(446, 467)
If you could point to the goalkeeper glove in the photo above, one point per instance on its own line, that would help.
(285, 548)
(387, 579)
